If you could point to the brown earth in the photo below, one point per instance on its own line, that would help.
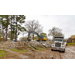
(34, 53)
(10, 56)
(44, 54)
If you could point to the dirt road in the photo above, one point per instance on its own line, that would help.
(69, 53)
(48, 54)
(45, 54)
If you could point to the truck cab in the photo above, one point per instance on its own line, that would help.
(58, 44)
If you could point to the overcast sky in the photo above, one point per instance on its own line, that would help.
(64, 22)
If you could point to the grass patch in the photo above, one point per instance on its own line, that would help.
(20, 51)
(38, 48)
(2, 53)
(70, 44)
(51, 42)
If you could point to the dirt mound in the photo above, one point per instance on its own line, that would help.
(32, 44)
(40, 44)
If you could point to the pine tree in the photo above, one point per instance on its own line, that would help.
(2, 22)
(19, 20)
(14, 22)
(7, 22)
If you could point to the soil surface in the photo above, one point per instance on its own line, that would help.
(42, 54)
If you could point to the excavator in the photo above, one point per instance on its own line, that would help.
(40, 37)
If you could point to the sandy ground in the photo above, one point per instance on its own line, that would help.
(46, 54)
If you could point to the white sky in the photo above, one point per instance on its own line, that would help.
(64, 22)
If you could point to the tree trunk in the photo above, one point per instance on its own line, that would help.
(6, 27)
(16, 35)
(16, 30)
(2, 30)
(11, 28)
(6, 32)
(33, 36)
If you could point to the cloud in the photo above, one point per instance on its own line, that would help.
(64, 22)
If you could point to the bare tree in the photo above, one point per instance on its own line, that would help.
(33, 25)
(55, 32)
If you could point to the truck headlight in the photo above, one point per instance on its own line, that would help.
(63, 46)
(52, 45)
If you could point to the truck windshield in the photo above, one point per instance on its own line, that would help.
(58, 39)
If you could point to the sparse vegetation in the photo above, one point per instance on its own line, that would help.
(38, 48)
(20, 51)
(2, 53)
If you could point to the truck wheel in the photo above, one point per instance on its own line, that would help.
(51, 49)
(63, 51)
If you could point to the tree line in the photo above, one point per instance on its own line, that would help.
(33, 25)
(12, 26)
(13, 23)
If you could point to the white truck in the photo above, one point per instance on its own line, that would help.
(58, 44)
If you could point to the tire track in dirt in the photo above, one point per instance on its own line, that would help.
(60, 56)
(55, 55)
(69, 53)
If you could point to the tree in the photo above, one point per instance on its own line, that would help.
(72, 36)
(14, 22)
(35, 37)
(33, 25)
(0, 33)
(72, 39)
(23, 38)
(9, 35)
(12, 19)
(55, 32)
(44, 34)
(7, 22)
(19, 20)
(2, 23)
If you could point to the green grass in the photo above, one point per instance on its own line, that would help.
(70, 44)
(20, 51)
(2, 53)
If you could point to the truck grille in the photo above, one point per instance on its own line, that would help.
(57, 44)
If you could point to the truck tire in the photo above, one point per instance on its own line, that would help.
(51, 49)
(63, 51)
